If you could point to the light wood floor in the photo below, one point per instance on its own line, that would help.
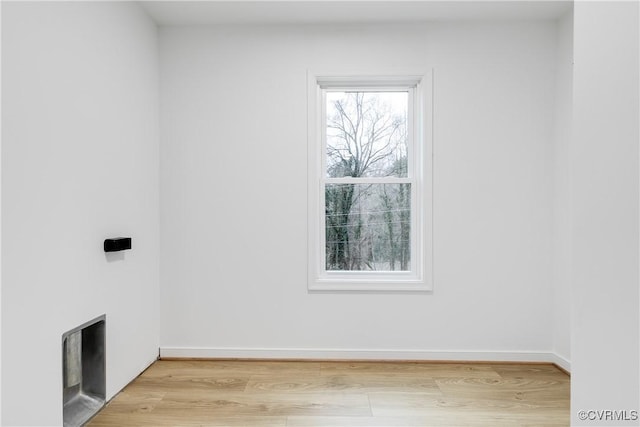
(341, 394)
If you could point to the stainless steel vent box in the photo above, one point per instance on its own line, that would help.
(83, 372)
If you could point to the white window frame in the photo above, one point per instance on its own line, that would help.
(420, 175)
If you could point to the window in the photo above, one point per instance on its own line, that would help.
(369, 183)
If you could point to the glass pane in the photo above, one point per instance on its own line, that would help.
(368, 227)
(367, 134)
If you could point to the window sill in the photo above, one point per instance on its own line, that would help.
(387, 286)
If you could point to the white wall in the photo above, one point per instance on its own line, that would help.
(233, 192)
(0, 222)
(79, 164)
(605, 209)
(562, 191)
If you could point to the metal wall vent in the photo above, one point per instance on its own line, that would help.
(83, 372)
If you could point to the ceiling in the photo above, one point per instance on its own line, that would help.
(348, 12)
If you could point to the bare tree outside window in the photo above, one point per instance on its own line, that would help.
(367, 224)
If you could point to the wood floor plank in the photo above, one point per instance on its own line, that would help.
(431, 370)
(495, 410)
(546, 392)
(180, 419)
(205, 382)
(410, 421)
(342, 383)
(532, 372)
(265, 404)
(233, 367)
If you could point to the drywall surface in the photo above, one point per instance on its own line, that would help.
(79, 164)
(562, 191)
(605, 212)
(234, 200)
(0, 227)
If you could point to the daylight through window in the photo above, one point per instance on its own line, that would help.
(367, 187)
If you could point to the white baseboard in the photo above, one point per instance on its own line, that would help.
(359, 354)
(561, 362)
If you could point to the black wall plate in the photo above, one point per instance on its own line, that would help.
(117, 244)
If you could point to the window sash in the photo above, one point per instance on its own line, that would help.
(415, 262)
(411, 128)
(367, 180)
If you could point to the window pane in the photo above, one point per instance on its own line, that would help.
(368, 227)
(367, 134)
